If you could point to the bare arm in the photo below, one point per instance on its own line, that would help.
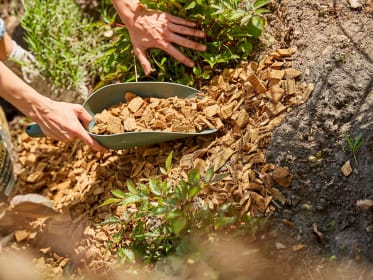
(156, 29)
(59, 120)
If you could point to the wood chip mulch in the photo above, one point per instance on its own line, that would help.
(249, 102)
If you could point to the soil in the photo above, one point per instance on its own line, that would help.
(335, 47)
(334, 235)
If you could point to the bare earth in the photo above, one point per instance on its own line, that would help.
(335, 47)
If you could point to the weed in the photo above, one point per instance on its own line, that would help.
(354, 144)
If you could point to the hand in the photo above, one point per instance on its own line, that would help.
(156, 29)
(65, 122)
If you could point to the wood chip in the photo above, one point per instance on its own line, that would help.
(292, 73)
(21, 235)
(282, 176)
(364, 203)
(257, 84)
(346, 168)
(135, 104)
(298, 247)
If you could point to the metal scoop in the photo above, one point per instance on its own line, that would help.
(114, 94)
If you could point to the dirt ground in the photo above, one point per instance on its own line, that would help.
(335, 47)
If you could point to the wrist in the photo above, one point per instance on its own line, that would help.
(28, 101)
(127, 10)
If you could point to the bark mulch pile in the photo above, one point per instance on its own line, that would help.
(245, 104)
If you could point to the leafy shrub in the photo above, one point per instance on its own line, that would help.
(160, 218)
(232, 28)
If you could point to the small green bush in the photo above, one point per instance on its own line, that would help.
(160, 217)
(232, 28)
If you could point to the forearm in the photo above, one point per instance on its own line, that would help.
(20, 94)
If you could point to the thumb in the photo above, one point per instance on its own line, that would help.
(143, 59)
(83, 115)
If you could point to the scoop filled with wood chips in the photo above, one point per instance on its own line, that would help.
(172, 114)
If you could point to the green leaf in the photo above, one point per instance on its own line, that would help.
(261, 11)
(220, 177)
(173, 215)
(246, 47)
(193, 191)
(256, 26)
(163, 170)
(224, 221)
(154, 186)
(131, 187)
(118, 236)
(180, 194)
(348, 139)
(209, 174)
(358, 142)
(190, 6)
(194, 176)
(118, 193)
(178, 225)
(159, 211)
(184, 188)
(110, 201)
(127, 254)
(111, 220)
(261, 3)
(131, 199)
(168, 162)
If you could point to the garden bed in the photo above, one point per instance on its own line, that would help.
(318, 223)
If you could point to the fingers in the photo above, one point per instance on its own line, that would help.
(185, 42)
(185, 30)
(75, 132)
(143, 59)
(180, 21)
(82, 133)
(83, 115)
(71, 128)
(179, 56)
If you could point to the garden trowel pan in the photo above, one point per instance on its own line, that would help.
(114, 94)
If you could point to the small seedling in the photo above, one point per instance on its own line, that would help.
(354, 144)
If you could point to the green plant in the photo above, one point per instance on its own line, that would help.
(62, 40)
(160, 217)
(354, 144)
(232, 29)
